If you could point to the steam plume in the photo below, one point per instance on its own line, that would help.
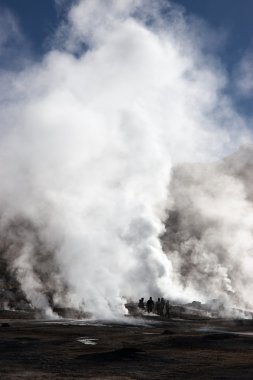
(89, 137)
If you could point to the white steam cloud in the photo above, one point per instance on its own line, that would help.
(89, 137)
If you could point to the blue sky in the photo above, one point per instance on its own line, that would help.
(233, 16)
(38, 19)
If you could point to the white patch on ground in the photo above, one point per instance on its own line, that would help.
(88, 341)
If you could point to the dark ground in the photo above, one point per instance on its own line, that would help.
(175, 349)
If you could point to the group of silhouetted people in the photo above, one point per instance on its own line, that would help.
(160, 307)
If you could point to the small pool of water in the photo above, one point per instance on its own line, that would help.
(220, 331)
(247, 333)
(152, 333)
(88, 341)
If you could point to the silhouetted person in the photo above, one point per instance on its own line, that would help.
(158, 306)
(162, 306)
(167, 309)
(150, 305)
(141, 303)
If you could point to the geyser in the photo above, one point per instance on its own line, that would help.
(90, 137)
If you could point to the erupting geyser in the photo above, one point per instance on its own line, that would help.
(98, 152)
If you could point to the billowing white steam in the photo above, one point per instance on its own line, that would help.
(209, 232)
(88, 139)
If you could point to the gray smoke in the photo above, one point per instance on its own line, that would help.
(94, 141)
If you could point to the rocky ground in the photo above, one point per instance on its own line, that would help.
(133, 348)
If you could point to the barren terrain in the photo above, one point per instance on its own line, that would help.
(130, 349)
